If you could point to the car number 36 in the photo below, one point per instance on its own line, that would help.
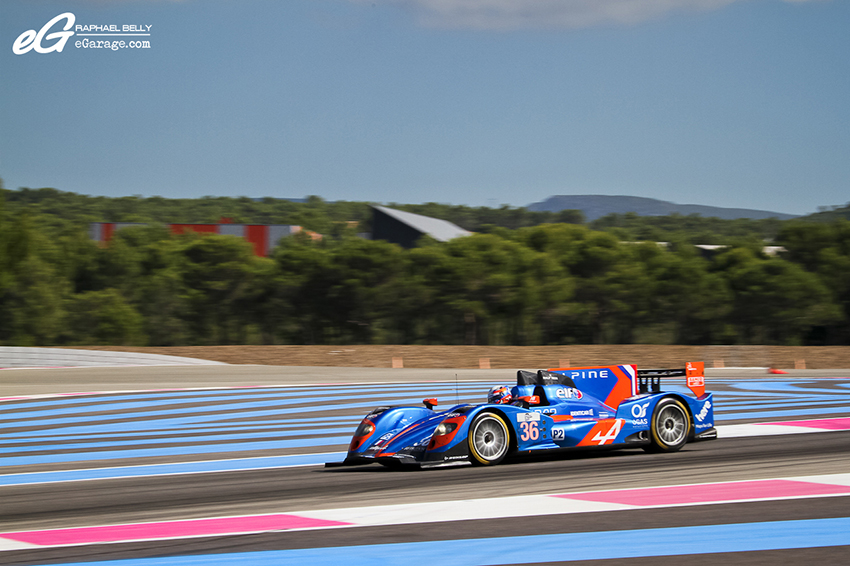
(529, 431)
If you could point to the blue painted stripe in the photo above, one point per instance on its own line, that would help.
(95, 397)
(610, 545)
(175, 451)
(166, 421)
(211, 402)
(780, 386)
(248, 428)
(221, 419)
(723, 416)
(174, 468)
(43, 417)
(186, 441)
(229, 417)
(780, 403)
(95, 431)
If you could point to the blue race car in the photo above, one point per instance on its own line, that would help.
(608, 406)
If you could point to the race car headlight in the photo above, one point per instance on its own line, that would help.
(363, 432)
(444, 429)
(365, 429)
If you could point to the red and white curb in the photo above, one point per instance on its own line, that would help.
(802, 487)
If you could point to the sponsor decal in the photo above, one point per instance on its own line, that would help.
(704, 411)
(546, 411)
(464, 457)
(702, 426)
(585, 413)
(639, 411)
(384, 439)
(568, 393)
(609, 436)
(527, 417)
(640, 422)
(590, 374)
(695, 369)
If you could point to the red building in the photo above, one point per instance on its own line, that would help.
(264, 237)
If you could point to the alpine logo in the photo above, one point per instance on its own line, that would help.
(609, 436)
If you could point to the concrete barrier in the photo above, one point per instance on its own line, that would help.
(19, 357)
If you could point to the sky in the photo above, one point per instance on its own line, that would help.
(734, 103)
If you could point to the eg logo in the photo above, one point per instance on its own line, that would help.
(31, 40)
(639, 411)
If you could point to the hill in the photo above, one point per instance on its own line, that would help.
(597, 206)
(830, 213)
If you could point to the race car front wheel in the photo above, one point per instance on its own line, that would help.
(488, 439)
(670, 426)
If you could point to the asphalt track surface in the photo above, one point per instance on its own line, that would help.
(64, 504)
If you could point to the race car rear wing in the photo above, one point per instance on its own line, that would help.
(649, 380)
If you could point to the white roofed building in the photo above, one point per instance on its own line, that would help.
(405, 228)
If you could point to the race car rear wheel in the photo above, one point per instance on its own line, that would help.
(488, 439)
(670, 426)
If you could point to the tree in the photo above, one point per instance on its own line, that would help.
(31, 292)
(824, 249)
(488, 290)
(102, 317)
(774, 301)
(217, 274)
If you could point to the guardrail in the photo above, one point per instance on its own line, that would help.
(21, 357)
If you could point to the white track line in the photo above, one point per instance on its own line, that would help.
(534, 505)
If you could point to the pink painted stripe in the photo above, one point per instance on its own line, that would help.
(842, 423)
(710, 493)
(170, 529)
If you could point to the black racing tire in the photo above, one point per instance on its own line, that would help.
(489, 439)
(670, 426)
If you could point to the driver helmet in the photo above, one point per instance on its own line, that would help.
(499, 395)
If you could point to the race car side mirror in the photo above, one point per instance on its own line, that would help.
(531, 399)
(430, 403)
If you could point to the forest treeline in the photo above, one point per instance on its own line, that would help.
(59, 208)
(544, 283)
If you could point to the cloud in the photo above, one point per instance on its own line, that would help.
(553, 14)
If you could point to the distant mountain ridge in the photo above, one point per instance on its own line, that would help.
(597, 206)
